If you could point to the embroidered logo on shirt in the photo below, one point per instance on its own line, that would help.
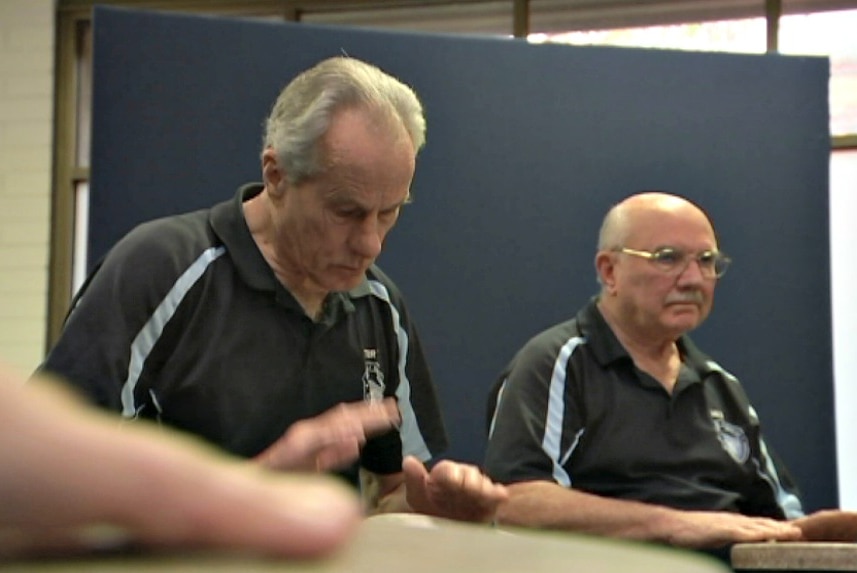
(373, 377)
(732, 438)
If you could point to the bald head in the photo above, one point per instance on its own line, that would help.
(650, 300)
(646, 208)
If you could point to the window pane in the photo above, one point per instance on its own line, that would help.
(81, 227)
(84, 94)
(494, 18)
(744, 36)
(831, 34)
(843, 237)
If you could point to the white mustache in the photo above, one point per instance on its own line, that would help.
(693, 296)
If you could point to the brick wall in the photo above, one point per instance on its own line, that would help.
(26, 126)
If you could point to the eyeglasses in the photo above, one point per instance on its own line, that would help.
(712, 264)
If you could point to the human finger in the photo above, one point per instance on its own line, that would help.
(371, 418)
(300, 518)
(338, 455)
(468, 478)
(279, 514)
(828, 525)
(295, 521)
(446, 473)
(414, 468)
(462, 491)
(763, 529)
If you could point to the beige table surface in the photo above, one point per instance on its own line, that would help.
(417, 544)
(813, 556)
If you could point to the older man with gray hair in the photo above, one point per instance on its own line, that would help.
(263, 324)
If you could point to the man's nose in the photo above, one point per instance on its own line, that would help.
(368, 238)
(692, 272)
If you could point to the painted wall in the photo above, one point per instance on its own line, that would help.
(26, 123)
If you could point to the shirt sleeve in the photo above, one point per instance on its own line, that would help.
(533, 428)
(784, 487)
(94, 350)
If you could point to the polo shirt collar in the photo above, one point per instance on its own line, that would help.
(227, 221)
(605, 346)
(694, 357)
(607, 349)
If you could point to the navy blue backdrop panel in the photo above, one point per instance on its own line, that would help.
(528, 146)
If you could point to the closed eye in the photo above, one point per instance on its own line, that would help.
(389, 214)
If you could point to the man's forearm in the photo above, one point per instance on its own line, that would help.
(545, 504)
(548, 505)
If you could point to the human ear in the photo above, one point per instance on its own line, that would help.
(272, 174)
(605, 267)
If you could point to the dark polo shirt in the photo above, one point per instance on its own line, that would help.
(185, 323)
(574, 409)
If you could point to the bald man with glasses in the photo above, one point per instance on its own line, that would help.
(614, 423)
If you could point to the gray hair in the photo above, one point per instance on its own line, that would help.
(303, 111)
